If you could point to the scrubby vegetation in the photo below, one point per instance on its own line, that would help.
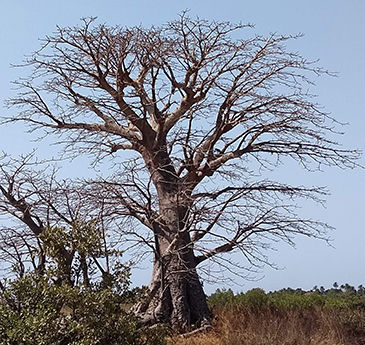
(345, 296)
(34, 310)
(286, 317)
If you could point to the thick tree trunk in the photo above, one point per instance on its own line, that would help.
(175, 296)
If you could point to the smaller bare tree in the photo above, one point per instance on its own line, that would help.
(51, 223)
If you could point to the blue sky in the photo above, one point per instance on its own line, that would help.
(334, 33)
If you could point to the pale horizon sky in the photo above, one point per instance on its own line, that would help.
(334, 34)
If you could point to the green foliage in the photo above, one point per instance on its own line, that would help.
(222, 298)
(256, 298)
(84, 237)
(34, 311)
(283, 299)
(345, 298)
(72, 253)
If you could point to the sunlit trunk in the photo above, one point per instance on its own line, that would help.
(175, 293)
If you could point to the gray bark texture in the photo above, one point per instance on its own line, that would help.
(175, 295)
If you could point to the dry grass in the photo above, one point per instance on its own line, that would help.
(265, 326)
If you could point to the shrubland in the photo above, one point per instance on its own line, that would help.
(291, 317)
(35, 310)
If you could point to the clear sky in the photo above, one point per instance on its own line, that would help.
(334, 33)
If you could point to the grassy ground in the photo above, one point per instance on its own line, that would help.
(314, 326)
(293, 319)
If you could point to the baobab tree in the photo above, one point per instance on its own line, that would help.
(196, 112)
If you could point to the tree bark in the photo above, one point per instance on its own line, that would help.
(175, 294)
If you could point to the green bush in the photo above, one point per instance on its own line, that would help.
(34, 311)
(256, 298)
(297, 301)
(222, 298)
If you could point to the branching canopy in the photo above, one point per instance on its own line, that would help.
(199, 110)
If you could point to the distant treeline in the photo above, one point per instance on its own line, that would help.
(339, 296)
